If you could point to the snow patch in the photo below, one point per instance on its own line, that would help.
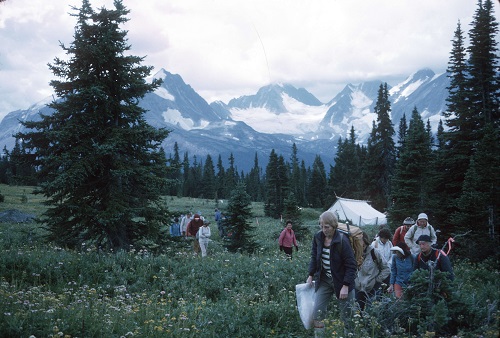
(298, 119)
(164, 94)
(173, 116)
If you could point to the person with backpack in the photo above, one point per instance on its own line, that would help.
(403, 265)
(371, 274)
(421, 228)
(287, 240)
(429, 255)
(399, 234)
(333, 269)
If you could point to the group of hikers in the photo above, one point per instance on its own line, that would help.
(195, 226)
(333, 269)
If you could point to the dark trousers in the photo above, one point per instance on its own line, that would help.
(288, 251)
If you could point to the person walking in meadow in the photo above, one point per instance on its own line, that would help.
(192, 228)
(421, 228)
(382, 243)
(399, 234)
(218, 220)
(184, 222)
(371, 273)
(204, 237)
(333, 268)
(403, 265)
(175, 228)
(287, 240)
(429, 255)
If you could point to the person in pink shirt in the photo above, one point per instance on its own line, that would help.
(287, 240)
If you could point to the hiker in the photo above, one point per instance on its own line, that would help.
(175, 228)
(403, 265)
(371, 274)
(218, 220)
(287, 240)
(333, 268)
(421, 228)
(429, 254)
(184, 222)
(204, 237)
(399, 234)
(191, 230)
(382, 243)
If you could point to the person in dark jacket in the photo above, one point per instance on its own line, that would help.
(429, 255)
(333, 269)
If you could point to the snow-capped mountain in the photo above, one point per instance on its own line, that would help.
(274, 118)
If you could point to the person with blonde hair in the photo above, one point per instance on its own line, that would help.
(333, 269)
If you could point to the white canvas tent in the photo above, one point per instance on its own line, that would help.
(357, 212)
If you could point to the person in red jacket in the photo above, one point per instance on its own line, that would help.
(287, 240)
(192, 228)
(399, 234)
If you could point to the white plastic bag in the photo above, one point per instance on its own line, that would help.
(305, 303)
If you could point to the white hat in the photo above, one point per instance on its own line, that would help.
(422, 216)
(397, 248)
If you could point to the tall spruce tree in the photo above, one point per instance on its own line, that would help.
(240, 231)
(317, 185)
(381, 152)
(98, 159)
(208, 180)
(410, 193)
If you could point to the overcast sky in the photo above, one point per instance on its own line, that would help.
(229, 48)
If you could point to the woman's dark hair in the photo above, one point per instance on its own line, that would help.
(405, 248)
(384, 233)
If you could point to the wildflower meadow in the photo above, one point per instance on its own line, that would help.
(165, 290)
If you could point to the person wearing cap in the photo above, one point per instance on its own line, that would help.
(421, 228)
(192, 228)
(204, 237)
(399, 234)
(429, 255)
(403, 265)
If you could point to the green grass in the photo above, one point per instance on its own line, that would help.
(48, 291)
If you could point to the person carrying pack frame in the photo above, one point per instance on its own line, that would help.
(421, 228)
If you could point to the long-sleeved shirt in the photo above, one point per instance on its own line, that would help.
(415, 232)
(287, 238)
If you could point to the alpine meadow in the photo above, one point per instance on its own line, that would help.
(88, 195)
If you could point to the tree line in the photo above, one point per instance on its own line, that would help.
(97, 148)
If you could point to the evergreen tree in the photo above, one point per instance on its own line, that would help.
(239, 229)
(484, 72)
(410, 183)
(403, 129)
(317, 185)
(292, 212)
(220, 179)
(480, 200)
(295, 175)
(231, 178)
(345, 178)
(381, 152)
(277, 180)
(254, 182)
(99, 160)
(185, 175)
(208, 180)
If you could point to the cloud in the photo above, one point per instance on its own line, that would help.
(226, 48)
